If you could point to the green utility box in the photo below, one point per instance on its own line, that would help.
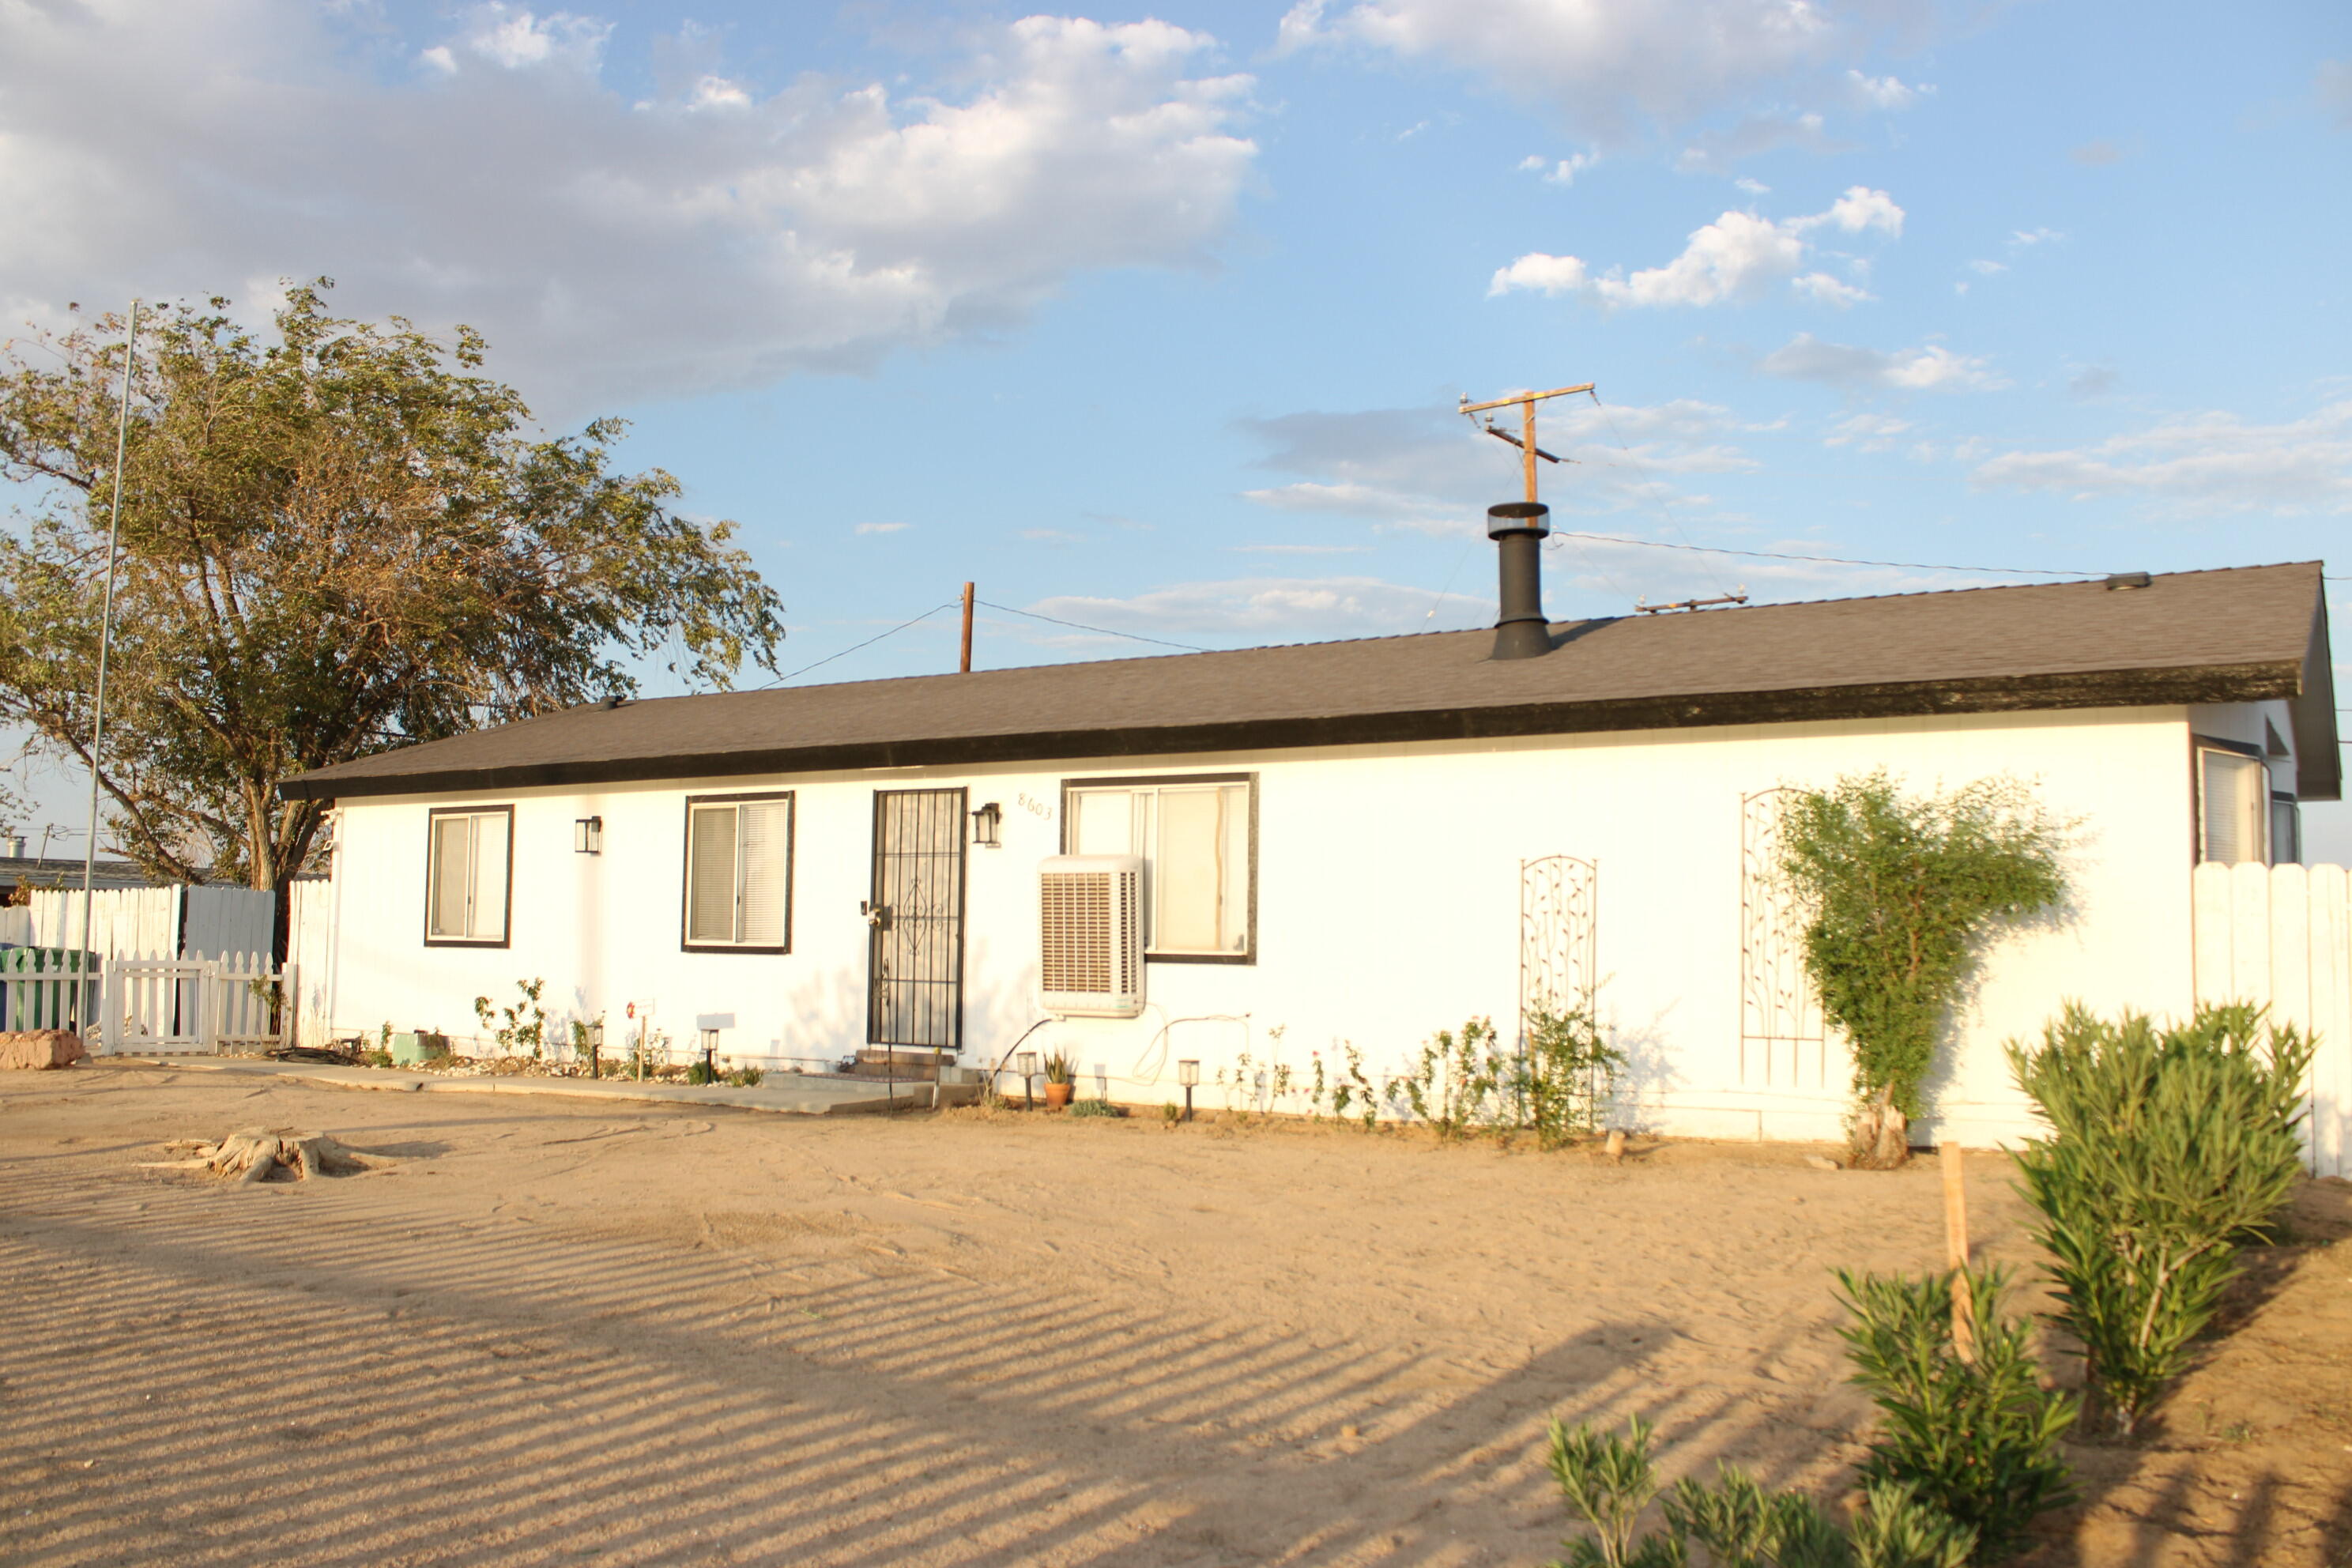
(38, 989)
(413, 1049)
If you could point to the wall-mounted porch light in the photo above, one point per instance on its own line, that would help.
(985, 823)
(588, 835)
(1188, 1073)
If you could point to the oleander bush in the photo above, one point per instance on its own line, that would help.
(2170, 1147)
(1969, 1431)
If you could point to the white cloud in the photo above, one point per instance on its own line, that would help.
(1540, 272)
(1273, 609)
(1753, 187)
(881, 528)
(1565, 171)
(1052, 536)
(1824, 289)
(613, 250)
(1609, 65)
(1867, 432)
(1931, 368)
(2332, 82)
(2025, 239)
(1885, 93)
(1988, 269)
(1736, 257)
(2200, 463)
(513, 37)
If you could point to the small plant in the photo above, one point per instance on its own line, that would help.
(1356, 1095)
(1171, 1113)
(1451, 1085)
(1974, 1435)
(1060, 1068)
(1567, 1075)
(524, 1024)
(2169, 1149)
(377, 1057)
(1607, 1481)
(701, 1072)
(746, 1077)
(1902, 890)
(1095, 1107)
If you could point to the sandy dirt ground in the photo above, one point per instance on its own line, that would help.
(539, 1331)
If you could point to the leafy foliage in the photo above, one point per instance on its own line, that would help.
(2168, 1148)
(1466, 1080)
(1976, 1438)
(1607, 1481)
(1060, 1067)
(338, 541)
(1567, 1076)
(518, 1027)
(1903, 888)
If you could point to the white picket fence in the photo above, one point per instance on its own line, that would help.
(197, 1005)
(2281, 937)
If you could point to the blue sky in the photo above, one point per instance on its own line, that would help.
(1153, 319)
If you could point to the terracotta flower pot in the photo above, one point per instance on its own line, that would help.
(1057, 1095)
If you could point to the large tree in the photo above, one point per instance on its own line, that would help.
(337, 538)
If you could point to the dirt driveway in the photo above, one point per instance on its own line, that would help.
(539, 1331)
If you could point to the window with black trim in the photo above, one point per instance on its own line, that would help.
(2233, 803)
(738, 873)
(469, 872)
(1198, 840)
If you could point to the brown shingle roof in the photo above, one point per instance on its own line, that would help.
(2236, 635)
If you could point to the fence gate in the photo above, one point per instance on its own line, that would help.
(196, 1004)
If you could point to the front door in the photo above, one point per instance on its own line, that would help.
(915, 956)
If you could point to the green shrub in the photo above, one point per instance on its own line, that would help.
(1095, 1107)
(1568, 1073)
(1903, 889)
(747, 1077)
(2168, 1148)
(1974, 1438)
(701, 1072)
(1607, 1481)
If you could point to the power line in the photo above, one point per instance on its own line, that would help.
(869, 642)
(1099, 631)
(1650, 489)
(1829, 560)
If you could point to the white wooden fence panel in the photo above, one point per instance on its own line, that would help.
(309, 953)
(17, 926)
(123, 922)
(2331, 1001)
(2281, 937)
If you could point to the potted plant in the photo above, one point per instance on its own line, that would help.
(1061, 1080)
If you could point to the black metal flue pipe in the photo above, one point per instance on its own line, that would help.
(1517, 529)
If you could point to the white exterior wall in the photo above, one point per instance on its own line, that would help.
(1388, 905)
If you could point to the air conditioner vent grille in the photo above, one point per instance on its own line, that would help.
(1090, 935)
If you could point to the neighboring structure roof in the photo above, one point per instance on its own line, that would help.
(20, 870)
(2237, 634)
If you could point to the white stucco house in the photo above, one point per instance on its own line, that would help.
(1359, 841)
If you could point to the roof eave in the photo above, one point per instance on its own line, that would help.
(2099, 689)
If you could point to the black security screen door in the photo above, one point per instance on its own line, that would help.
(915, 993)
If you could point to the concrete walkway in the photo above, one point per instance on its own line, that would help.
(785, 1093)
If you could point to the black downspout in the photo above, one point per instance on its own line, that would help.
(1517, 529)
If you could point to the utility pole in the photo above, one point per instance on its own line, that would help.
(106, 641)
(965, 666)
(1526, 439)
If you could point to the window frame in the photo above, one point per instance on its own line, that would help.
(686, 869)
(506, 926)
(2199, 744)
(1249, 953)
